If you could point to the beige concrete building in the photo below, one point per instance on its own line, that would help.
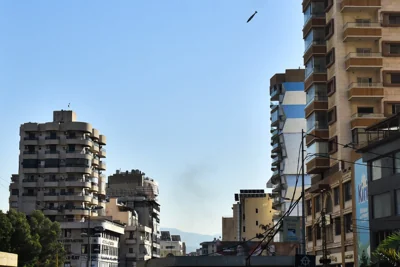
(352, 77)
(8, 259)
(252, 209)
(60, 170)
(171, 245)
(136, 240)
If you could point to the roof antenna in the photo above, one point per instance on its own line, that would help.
(69, 104)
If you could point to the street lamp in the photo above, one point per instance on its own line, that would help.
(89, 235)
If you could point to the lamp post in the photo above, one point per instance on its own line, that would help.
(89, 235)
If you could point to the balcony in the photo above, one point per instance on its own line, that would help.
(362, 31)
(52, 140)
(275, 94)
(78, 183)
(360, 5)
(29, 183)
(31, 141)
(102, 140)
(316, 48)
(74, 140)
(102, 153)
(102, 165)
(314, 75)
(75, 211)
(276, 202)
(49, 212)
(362, 61)
(78, 169)
(95, 162)
(320, 131)
(315, 21)
(274, 133)
(319, 102)
(276, 177)
(276, 147)
(30, 154)
(51, 196)
(78, 198)
(30, 170)
(275, 118)
(277, 188)
(276, 160)
(130, 241)
(318, 164)
(362, 120)
(95, 148)
(50, 183)
(94, 187)
(366, 91)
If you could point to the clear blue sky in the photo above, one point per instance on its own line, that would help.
(179, 87)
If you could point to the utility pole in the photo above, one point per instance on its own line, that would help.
(303, 196)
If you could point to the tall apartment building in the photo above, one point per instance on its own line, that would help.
(252, 209)
(60, 169)
(139, 193)
(351, 78)
(288, 101)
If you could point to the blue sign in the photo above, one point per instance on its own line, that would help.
(362, 212)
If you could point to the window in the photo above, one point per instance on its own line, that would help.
(395, 78)
(309, 233)
(318, 231)
(14, 192)
(244, 216)
(336, 196)
(394, 19)
(395, 108)
(348, 223)
(67, 233)
(365, 110)
(332, 115)
(331, 86)
(391, 49)
(256, 222)
(332, 145)
(397, 202)
(330, 57)
(376, 169)
(382, 205)
(14, 204)
(67, 249)
(317, 202)
(130, 250)
(347, 192)
(391, 78)
(328, 5)
(256, 210)
(83, 249)
(338, 227)
(397, 162)
(359, 136)
(362, 52)
(329, 29)
(308, 207)
(391, 19)
(244, 229)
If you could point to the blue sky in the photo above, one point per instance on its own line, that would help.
(179, 87)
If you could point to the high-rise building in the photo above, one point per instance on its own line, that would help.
(288, 101)
(139, 193)
(351, 79)
(60, 170)
(252, 210)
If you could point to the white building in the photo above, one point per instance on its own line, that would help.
(171, 245)
(102, 243)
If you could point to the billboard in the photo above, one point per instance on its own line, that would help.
(291, 229)
(362, 212)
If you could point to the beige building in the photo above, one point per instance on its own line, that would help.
(352, 77)
(136, 239)
(60, 171)
(8, 259)
(253, 208)
(171, 245)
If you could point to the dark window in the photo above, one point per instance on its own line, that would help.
(394, 49)
(338, 227)
(348, 223)
(330, 58)
(331, 86)
(256, 210)
(244, 217)
(395, 108)
(395, 78)
(317, 202)
(365, 110)
(328, 4)
(329, 30)
(256, 222)
(394, 19)
(130, 250)
(52, 163)
(71, 148)
(347, 191)
(332, 145)
(77, 163)
(53, 148)
(336, 197)
(309, 234)
(318, 231)
(332, 115)
(14, 192)
(308, 207)
(359, 136)
(30, 163)
(244, 229)
(95, 248)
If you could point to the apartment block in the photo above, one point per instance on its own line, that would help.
(352, 74)
(171, 245)
(60, 169)
(138, 192)
(253, 208)
(288, 101)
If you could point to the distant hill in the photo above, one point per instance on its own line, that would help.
(192, 240)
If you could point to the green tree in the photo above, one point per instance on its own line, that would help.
(48, 233)
(388, 251)
(6, 230)
(364, 260)
(21, 241)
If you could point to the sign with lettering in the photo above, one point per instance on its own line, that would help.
(107, 242)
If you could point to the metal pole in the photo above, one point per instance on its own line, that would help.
(303, 214)
(89, 260)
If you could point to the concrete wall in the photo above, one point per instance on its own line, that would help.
(8, 259)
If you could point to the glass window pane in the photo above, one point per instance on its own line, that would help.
(382, 205)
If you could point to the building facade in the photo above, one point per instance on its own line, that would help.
(60, 170)
(103, 236)
(138, 192)
(252, 210)
(171, 245)
(381, 155)
(288, 101)
(352, 71)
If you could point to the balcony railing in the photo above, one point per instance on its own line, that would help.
(317, 98)
(361, 25)
(313, 16)
(365, 85)
(52, 137)
(362, 55)
(31, 138)
(367, 115)
(52, 152)
(318, 125)
(30, 152)
(315, 70)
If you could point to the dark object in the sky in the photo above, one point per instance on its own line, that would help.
(252, 16)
